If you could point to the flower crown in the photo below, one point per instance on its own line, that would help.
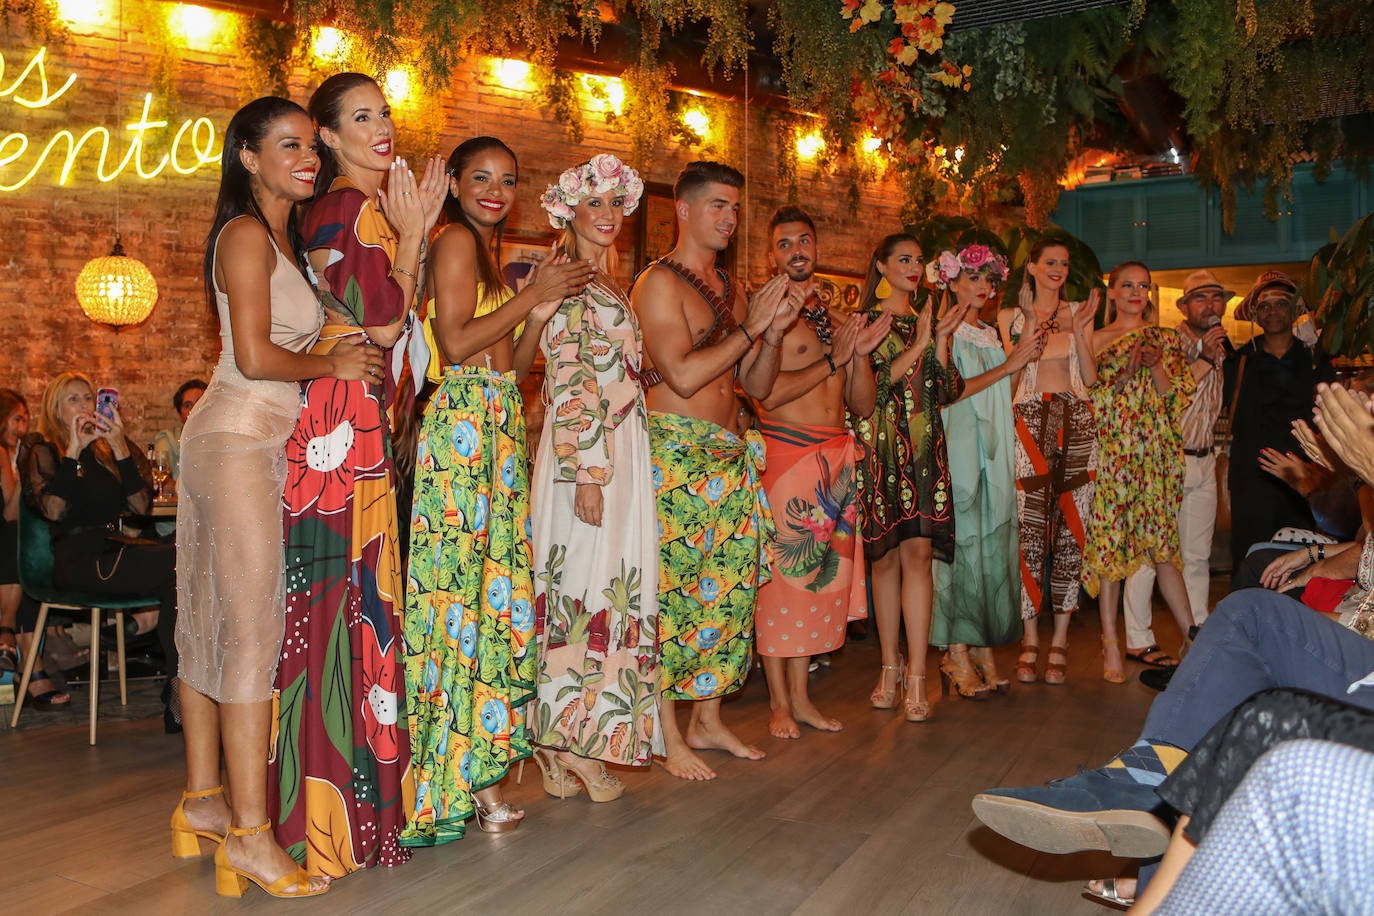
(602, 173)
(946, 269)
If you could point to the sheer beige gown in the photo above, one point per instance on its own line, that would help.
(230, 552)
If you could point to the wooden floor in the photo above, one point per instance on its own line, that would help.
(874, 819)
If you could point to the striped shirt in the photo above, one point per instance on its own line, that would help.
(1200, 419)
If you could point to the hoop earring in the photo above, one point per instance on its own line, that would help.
(883, 289)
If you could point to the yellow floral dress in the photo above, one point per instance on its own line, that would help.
(1134, 520)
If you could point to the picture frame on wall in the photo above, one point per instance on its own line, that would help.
(520, 253)
(654, 233)
(839, 291)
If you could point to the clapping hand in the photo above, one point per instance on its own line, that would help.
(951, 319)
(1084, 316)
(1314, 446)
(402, 201)
(846, 337)
(1345, 423)
(1291, 469)
(871, 334)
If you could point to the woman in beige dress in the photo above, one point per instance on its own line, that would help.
(230, 558)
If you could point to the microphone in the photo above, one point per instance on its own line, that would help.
(1212, 320)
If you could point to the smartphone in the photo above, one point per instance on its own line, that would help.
(107, 402)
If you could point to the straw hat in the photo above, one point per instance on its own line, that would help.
(1270, 279)
(1202, 281)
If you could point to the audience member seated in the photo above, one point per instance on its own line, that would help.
(14, 422)
(1272, 377)
(1274, 812)
(83, 476)
(167, 444)
(1255, 641)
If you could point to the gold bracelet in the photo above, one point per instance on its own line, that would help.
(404, 272)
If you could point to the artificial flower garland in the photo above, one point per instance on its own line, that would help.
(602, 173)
(945, 269)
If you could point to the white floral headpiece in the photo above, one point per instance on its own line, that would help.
(602, 173)
(946, 268)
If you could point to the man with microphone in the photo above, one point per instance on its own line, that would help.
(1203, 304)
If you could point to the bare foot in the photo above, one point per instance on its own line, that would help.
(683, 764)
(808, 714)
(720, 738)
(262, 857)
(782, 725)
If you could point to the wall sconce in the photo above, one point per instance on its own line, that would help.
(872, 145)
(328, 45)
(397, 83)
(810, 145)
(609, 91)
(696, 121)
(511, 74)
(198, 27)
(81, 12)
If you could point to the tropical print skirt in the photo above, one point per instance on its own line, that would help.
(818, 582)
(596, 603)
(469, 631)
(340, 777)
(715, 528)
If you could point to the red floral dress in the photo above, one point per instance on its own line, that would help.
(340, 780)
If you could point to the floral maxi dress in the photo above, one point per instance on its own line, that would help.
(596, 587)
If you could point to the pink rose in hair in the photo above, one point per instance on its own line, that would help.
(975, 256)
(949, 267)
(570, 181)
(606, 165)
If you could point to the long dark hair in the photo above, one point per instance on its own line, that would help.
(326, 106)
(246, 130)
(881, 253)
(487, 268)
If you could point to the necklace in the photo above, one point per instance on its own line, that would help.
(818, 319)
(1051, 324)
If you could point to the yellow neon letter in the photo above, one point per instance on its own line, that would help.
(139, 128)
(43, 100)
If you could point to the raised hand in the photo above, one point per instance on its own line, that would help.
(951, 319)
(557, 278)
(85, 429)
(1345, 423)
(872, 334)
(1291, 469)
(1083, 317)
(433, 190)
(786, 313)
(846, 336)
(922, 330)
(1212, 341)
(1314, 446)
(401, 201)
(763, 307)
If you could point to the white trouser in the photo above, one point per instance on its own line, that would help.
(1197, 517)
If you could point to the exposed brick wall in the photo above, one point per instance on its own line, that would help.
(48, 232)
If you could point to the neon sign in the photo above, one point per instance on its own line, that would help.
(192, 145)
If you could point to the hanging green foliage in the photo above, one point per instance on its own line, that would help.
(1340, 286)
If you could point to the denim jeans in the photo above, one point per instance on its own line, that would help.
(1256, 639)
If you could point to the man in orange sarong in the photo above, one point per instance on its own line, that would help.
(818, 582)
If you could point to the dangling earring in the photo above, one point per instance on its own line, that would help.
(883, 289)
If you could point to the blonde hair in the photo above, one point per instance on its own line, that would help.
(60, 433)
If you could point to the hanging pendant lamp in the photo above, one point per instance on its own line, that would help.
(117, 290)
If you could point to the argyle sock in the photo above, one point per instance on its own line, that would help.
(1145, 762)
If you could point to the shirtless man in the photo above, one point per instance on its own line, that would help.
(1056, 449)
(714, 519)
(817, 558)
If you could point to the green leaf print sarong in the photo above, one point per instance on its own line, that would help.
(715, 527)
